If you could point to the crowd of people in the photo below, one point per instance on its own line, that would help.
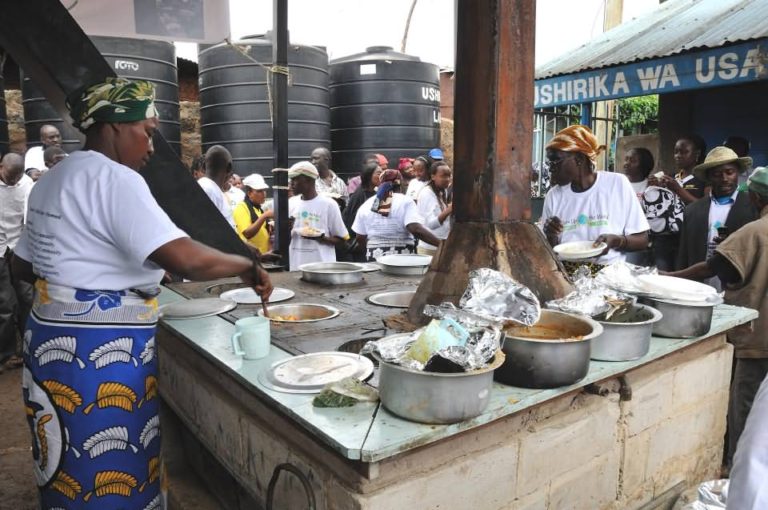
(378, 212)
(68, 234)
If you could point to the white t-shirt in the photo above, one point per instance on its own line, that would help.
(13, 206)
(414, 188)
(92, 224)
(218, 197)
(639, 187)
(234, 196)
(429, 208)
(387, 231)
(610, 206)
(323, 214)
(748, 489)
(34, 159)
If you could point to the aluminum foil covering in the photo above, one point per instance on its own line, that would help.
(622, 276)
(498, 298)
(477, 353)
(591, 298)
(712, 495)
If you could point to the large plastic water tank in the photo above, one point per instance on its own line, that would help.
(3, 117)
(234, 102)
(382, 101)
(154, 61)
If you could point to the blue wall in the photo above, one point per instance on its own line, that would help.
(740, 110)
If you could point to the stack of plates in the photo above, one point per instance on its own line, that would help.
(676, 289)
(579, 250)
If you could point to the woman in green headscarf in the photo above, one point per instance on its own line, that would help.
(96, 245)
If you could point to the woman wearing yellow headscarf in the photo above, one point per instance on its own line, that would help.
(590, 205)
(97, 244)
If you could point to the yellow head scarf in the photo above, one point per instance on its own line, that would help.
(577, 138)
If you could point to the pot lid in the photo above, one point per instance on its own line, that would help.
(309, 373)
(196, 308)
(248, 296)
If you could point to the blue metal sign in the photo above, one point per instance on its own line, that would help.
(715, 67)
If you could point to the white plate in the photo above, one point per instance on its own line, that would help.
(405, 260)
(248, 296)
(196, 308)
(309, 373)
(579, 250)
(678, 289)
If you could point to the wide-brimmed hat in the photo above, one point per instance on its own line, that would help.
(255, 182)
(758, 181)
(720, 156)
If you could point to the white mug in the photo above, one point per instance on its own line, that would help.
(252, 338)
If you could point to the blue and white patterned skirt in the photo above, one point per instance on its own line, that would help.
(90, 392)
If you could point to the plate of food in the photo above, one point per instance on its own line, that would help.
(310, 232)
(579, 250)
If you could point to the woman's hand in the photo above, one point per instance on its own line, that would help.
(553, 229)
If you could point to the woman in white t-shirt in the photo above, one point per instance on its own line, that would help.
(435, 206)
(595, 206)
(387, 222)
(420, 170)
(96, 245)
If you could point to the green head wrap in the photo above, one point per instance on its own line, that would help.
(114, 100)
(758, 181)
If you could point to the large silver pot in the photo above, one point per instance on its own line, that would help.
(627, 335)
(682, 319)
(331, 273)
(430, 397)
(552, 353)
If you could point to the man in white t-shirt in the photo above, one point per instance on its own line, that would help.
(49, 137)
(218, 169)
(317, 224)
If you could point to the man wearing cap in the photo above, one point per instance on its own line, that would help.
(328, 183)
(250, 218)
(741, 266)
(726, 209)
(317, 224)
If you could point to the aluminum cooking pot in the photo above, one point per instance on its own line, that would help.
(682, 319)
(552, 353)
(331, 273)
(627, 335)
(431, 397)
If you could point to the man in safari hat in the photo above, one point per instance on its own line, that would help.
(710, 219)
(740, 265)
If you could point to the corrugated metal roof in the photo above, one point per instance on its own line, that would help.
(674, 27)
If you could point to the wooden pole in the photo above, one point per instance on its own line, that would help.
(280, 127)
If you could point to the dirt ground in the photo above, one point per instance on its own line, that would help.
(17, 485)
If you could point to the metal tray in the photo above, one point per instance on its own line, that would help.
(196, 308)
(404, 265)
(395, 299)
(309, 373)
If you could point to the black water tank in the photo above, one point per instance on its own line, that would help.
(154, 61)
(234, 102)
(382, 101)
(3, 116)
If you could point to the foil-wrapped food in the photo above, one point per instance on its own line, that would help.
(591, 297)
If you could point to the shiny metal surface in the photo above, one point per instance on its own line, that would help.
(404, 265)
(681, 320)
(394, 299)
(196, 308)
(429, 397)
(559, 361)
(304, 312)
(627, 335)
(331, 273)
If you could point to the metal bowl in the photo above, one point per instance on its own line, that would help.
(395, 299)
(331, 273)
(304, 312)
(627, 335)
(682, 319)
(404, 265)
(552, 353)
(430, 397)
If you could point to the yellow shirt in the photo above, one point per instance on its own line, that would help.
(243, 220)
